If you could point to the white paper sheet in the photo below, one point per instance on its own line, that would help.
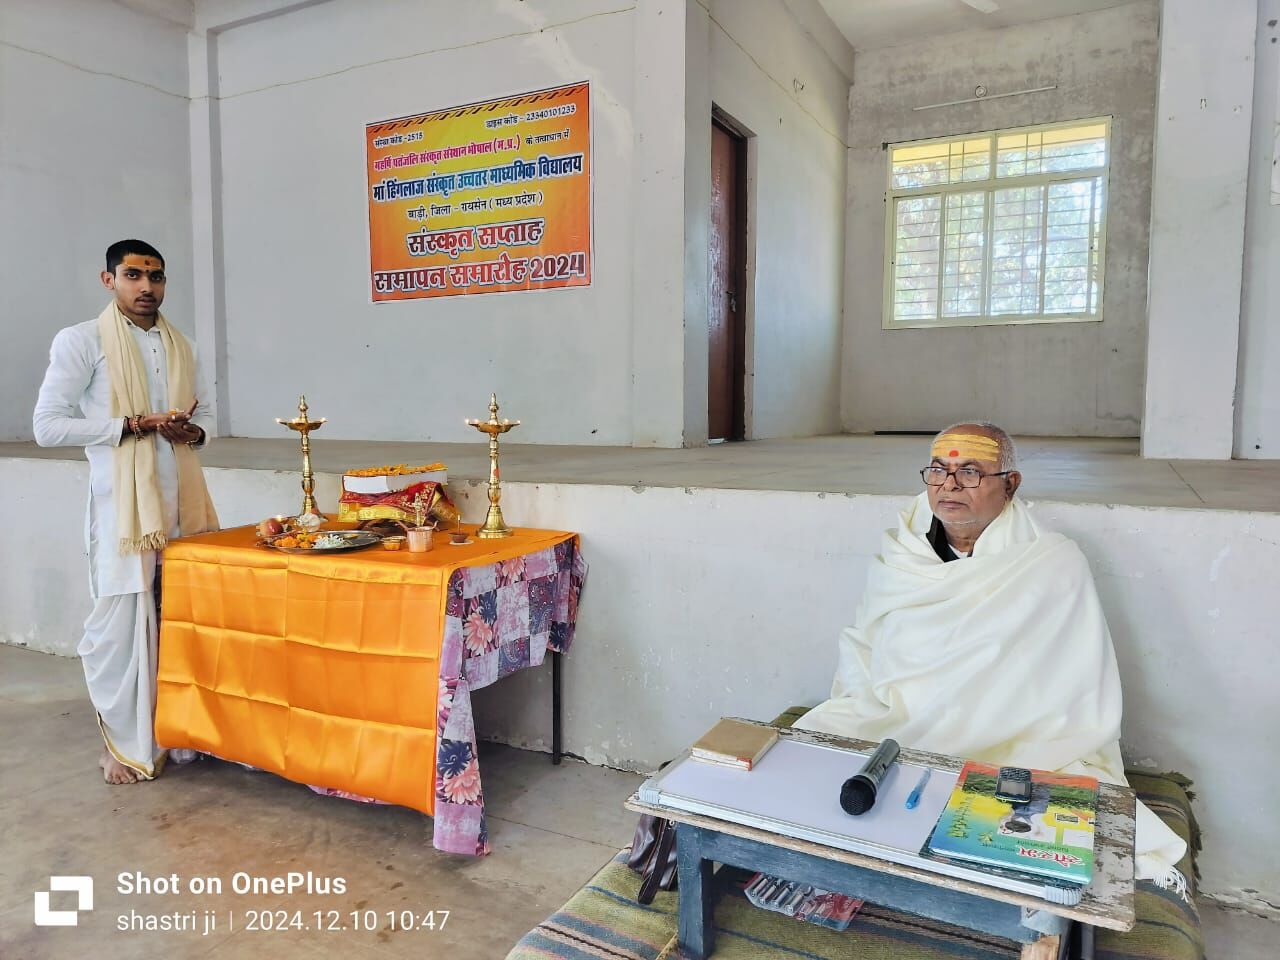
(799, 783)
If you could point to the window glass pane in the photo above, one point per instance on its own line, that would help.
(1018, 154)
(1069, 263)
(1075, 148)
(964, 254)
(933, 164)
(972, 238)
(970, 160)
(1095, 251)
(923, 166)
(1015, 250)
(1029, 154)
(918, 223)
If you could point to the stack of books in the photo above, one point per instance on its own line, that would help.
(1048, 839)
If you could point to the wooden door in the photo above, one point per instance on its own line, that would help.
(726, 405)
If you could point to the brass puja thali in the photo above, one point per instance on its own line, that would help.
(321, 541)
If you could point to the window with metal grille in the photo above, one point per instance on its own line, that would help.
(1006, 226)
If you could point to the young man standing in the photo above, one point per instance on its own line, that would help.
(126, 387)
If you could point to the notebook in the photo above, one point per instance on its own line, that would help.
(1050, 836)
(732, 743)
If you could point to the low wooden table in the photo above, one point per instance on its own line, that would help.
(702, 841)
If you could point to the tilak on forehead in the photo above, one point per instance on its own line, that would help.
(965, 446)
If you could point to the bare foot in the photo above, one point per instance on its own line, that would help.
(114, 772)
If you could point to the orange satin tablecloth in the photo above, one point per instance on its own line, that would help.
(326, 668)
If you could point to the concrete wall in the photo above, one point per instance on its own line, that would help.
(671, 170)
(621, 362)
(695, 609)
(93, 149)
(1197, 227)
(296, 91)
(772, 77)
(1258, 394)
(1072, 379)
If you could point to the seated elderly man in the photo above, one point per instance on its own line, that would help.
(980, 635)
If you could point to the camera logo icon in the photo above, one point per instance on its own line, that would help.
(81, 886)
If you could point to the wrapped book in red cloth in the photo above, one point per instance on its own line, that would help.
(802, 901)
(398, 504)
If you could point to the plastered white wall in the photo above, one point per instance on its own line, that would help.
(775, 79)
(699, 604)
(296, 91)
(1258, 393)
(1199, 180)
(665, 69)
(619, 363)
(93, 149)
(1078, 379)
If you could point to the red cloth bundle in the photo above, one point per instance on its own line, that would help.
(398, 504)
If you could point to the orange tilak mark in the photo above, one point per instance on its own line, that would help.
(966, 445)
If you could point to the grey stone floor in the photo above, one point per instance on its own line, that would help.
(1071, 469)
(551, 828)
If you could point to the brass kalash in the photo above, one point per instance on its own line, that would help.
(304, 425)
(494, 527)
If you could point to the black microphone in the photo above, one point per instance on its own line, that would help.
(858, 794)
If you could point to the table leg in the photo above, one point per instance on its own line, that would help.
(556, 744)
(1086, 942)
(1046, 948)
(696, 887)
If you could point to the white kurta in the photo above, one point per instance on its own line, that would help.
(74, 410)
(118, 649)
(1003, 656)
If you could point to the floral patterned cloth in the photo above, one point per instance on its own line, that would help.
(499, 618)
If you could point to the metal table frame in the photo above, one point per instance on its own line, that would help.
(698, 849)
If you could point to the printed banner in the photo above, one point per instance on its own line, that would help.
(483, 198)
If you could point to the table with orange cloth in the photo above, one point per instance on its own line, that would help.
(353, 671)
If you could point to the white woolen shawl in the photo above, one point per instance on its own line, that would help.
(1003, 657)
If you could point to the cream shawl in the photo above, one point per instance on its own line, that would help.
(1003, 657)
(139, 510)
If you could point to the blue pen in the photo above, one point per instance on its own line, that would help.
(915, 794)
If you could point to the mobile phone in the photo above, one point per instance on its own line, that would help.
(1014, 785)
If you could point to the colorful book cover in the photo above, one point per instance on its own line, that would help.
(1049, 836)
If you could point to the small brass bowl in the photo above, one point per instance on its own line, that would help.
(392, 543)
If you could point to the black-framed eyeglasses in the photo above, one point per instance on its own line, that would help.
(968, 477)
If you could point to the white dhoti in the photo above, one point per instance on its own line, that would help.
(1003, 657)
(118, 652)
(142, 491)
